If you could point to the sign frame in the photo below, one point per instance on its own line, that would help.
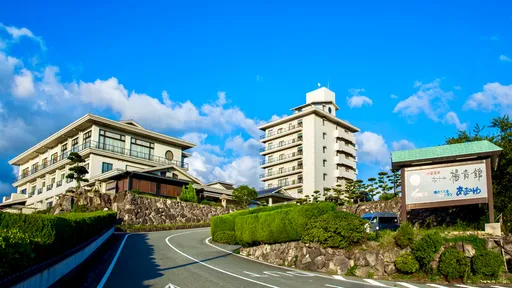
(489, 199)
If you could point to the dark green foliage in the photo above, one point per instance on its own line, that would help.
(404, 237)
(426, 248)
(278, 226)
(15, 252)
(227, 222)
(52, 235)
(225, 237)
(44, 211)
(188, 194)
(351, 271)
(488, 263)
(79, 208)
(386, 196)
(244, 194)
(453, 264)
(211, 203)
(337, 229)
(407, 263)
(77, 170)
(476, 242)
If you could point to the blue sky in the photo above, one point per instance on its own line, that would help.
(408, 74)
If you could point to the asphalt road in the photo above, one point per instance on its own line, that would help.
(184, 259)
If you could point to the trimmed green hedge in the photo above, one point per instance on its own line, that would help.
(227, 222)
(407, 263)
(453, 264)
(51, 235)
(278, 226)
(15, 251)
(488, 263)
(226, 237)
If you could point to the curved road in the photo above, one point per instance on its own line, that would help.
(185, 258)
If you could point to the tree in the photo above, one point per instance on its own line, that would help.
(316, 196)
(244, 194)
(395, 179)
(371, 189)
(78, 171)
(188, 194)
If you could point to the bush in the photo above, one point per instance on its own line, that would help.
(211, 203)
(407, 263)
(404, 237)
(426, 248)
(15, 252)
(278, 226)
(225, 237)
(227, 222)
(488, 263)
(453, 264)
(188, 194)
(79, 208)
(337, 229)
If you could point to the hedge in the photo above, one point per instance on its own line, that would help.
(278, 226)
(426, 248)
(453, 264)
(227, 222)
(488, 263)
(52, 235)
(407, 263)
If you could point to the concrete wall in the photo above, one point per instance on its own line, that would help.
(54, 273)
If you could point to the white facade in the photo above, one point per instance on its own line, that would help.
(105, 145)
(310, 149)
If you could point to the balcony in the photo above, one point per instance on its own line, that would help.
(340, 133)
(280, 172)
(286, 144)
(342, 160)
(347, 148)
(39, 191)
(68, 180)
(103, 147)
(342, 173)
(284, 158)
(282, 132)
(49, 187)
(288, 184)
(59, 183)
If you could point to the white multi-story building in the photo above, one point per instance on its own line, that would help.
(104, 144)
(309, 150)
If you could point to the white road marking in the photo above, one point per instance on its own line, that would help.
(255, 275)
(375, 283)
(210, 266)
(105, 277)
(465, 286)
(497, 287)
(329, 285)
(207, 241)
(437, 286)
(272, 273)
(171, 286)
(407, 285)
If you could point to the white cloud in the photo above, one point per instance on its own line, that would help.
(13, 130)
(242, 147)
(17, 33)
(6, 189)
(393, 96)
(505, 58)
(452, 118)
(357, 101)
(372, 149)
(222, 98)
(7, 68)
(244, 170)
(430, 99)
(402, 145)
(23, 84)
(195, 137)
(494, 97)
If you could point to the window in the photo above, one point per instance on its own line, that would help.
(34, 168)
(49, 204)
(87, 140)
(175, 176)
(325, 149)
(269, 185)
(280, 130)
(270, 158)
(24, 172)
(299, 190)
(299, 123)
(142, 149)
(44, 162)
(64, 148)
(53, 180)
(62, 176)
(324, 135)
(32, 190)
(290, 126)
(270, 132)
(323, 107)
(323, 122)
(330, 110)
(74, 145)
(269, 172)
(282, 182)
(87, 167)
(281, 143)
(325, 162)
(168, 155)
(281, 170)
(105, 167)
(270, 144)
(281, 157)
(24, 191)
(44, 184)
(325, 176)
(111, 141)
(54, 158)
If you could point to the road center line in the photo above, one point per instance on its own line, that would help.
(210, 266)
(375, 283)
(105, 277)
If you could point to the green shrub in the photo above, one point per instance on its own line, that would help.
(79, 208)
(488, 263)
(278, 226)
(426, 248)
(188, 194)
(404, 237)
(227, 222)
(225, 237)
(211, 203)
(15, 252)
(407, 263)
(476, 242)
(453, 264)
(337, 229)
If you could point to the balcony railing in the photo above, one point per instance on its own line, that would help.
(105, 147)
(68, 180)
(49, 187)
(59, 183)
(281, 131)
(277, 159)
(284, 144)
(39, 191)
(287, 183)
(282, 171)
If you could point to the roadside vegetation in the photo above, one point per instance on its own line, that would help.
(28, 240)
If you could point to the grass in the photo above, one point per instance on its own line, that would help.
(148, 195)
(386, 239)
(161, 227)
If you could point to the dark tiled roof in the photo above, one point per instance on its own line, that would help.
(273, 192)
